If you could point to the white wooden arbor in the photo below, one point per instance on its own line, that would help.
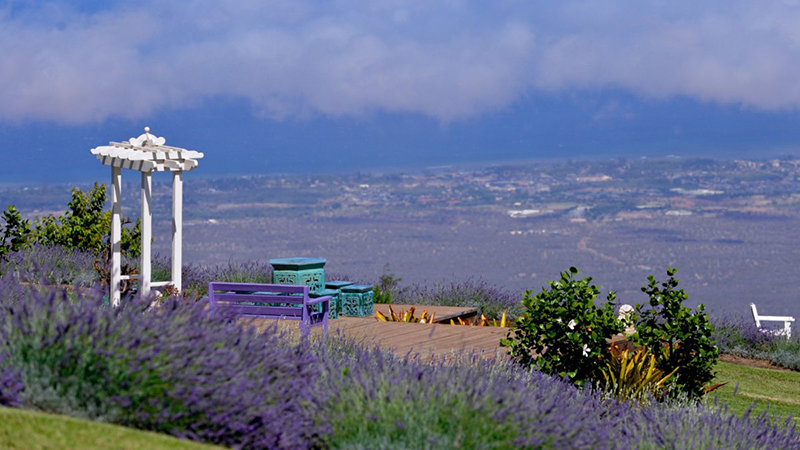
(146, 154)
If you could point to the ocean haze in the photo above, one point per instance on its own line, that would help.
(235, 141)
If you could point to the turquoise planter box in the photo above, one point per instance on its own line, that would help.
(338, 285)
(357, 300)
(335, 307)
(299, 271)
(335, 290)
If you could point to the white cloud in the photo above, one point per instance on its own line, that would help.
(450, 60)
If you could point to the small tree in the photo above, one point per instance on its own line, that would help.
(677, 336)
(85, 226)
(562, 331)
(16, 233)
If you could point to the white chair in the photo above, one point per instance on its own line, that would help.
(787, 323)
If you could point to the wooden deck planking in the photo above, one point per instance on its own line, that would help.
(443, 313)
(427, 340)
(479, 340)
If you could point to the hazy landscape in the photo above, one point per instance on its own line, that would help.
(729, 226)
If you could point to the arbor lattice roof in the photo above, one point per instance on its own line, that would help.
(147, 153)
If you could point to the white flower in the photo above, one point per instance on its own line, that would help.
(586, 350)
(571, 324)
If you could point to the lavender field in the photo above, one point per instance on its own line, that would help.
(179, 370)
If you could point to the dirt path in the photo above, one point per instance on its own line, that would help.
(758, 363)
(583, 245)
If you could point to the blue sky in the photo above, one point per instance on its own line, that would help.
(277, 86)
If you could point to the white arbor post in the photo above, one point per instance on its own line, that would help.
(145, 154)
(116, 235)
(147, 234)
(177, 228)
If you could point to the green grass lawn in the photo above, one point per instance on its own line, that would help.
(778, 389)
(30, 430)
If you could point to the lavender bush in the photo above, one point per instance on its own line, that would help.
(52, 265)
(382, 401)
(738, 335)
(697, 426)
(177, 370)
(196, 278)
(11, 384)
(388, 402)
(491, 300)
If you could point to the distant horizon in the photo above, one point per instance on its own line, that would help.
(132, 177)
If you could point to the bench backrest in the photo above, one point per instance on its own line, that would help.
(255, 299)
(755, 315)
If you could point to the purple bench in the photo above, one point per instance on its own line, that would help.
(242, 300)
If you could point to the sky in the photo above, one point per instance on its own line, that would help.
(320, 86)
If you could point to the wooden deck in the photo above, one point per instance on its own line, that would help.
(426, 340)
(443, 313)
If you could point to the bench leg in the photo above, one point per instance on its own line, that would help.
(326, 307)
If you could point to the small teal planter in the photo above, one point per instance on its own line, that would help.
(335, 307)
(299, 271)
(357, 300)
(338, 285)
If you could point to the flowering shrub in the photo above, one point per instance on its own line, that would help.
(563, 332)
(52, 265)
(196, 278)
(696, 426)
(11, 384)
(686, 337)
(738, 335)
(387, 402)
(382, 401)
(177, 370)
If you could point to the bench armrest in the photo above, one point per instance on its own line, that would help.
(327, 298)
(776, 318)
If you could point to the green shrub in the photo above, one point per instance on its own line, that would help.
(383, 297)
(85, 225)
(677, 336)
(562, 331)
(16, 233)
